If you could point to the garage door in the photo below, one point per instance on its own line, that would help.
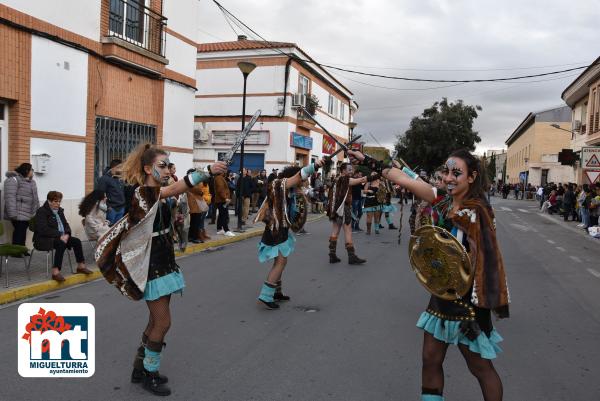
(252, 161)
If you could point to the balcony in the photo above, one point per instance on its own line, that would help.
(136, 27)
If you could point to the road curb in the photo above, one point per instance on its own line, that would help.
(35, 289)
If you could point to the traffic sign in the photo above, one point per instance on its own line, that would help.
(592, 175)
(590, 157)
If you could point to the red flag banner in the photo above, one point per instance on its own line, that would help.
(328, 145)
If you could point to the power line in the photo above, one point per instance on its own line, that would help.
(223, 9)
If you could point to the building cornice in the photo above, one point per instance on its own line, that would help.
(579, 88)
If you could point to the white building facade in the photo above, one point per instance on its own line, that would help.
(84, 82)
(281, 81)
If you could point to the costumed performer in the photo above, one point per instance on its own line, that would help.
(283, 208)
(466, 322)
(137, 253)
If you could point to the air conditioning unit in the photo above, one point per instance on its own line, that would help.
(200, 132)
(576, 125)
(298, 100)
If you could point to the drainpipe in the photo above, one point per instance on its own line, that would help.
(285, 83)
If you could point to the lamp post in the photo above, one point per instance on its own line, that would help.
(246, 68)
(573, 132)
(352, 125)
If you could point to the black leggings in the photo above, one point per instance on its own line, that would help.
(223, 218)
(20, 233)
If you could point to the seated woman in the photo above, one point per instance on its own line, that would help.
(93, 210)
(53, 232)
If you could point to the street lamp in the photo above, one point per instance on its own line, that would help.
(246, 68)
(563, 129)
(352, 125)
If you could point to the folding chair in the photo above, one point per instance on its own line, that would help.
(15, 251)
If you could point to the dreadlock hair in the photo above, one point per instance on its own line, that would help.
(90, 201)
(478, 188)
(289, 171)
(133, 167)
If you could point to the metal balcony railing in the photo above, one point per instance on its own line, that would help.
(133, 22)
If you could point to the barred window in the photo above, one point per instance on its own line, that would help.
(115, 139)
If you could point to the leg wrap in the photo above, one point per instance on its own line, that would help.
(431, 397)
(138, 362)
(332, 245)
(350, 248)
(388, 219)
(266, 292)
(152, 356)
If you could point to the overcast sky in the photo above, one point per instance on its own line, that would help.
(431, 39)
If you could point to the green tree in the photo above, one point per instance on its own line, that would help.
(439, 130)
(491, 168)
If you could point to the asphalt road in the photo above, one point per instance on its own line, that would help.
(349, 331)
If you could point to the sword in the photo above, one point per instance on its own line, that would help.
(356, 138)
(238, 142)
(310, 117)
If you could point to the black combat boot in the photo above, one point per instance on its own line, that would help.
(152, 380)
(332, 247)
(279, 295)
(137, 375)
(352, 258)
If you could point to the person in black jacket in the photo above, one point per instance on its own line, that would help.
(52, 231)
(247, 188)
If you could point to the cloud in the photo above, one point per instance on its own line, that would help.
(412, 38)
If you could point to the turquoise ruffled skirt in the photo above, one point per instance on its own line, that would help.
(449, 332)
(389, 208)
(372, 209)
(268, 252)
(165, 285)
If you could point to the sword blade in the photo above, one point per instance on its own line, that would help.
(238, 142)
(313, 119)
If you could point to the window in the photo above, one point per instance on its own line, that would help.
(333, 105)
(303, 85)
(115, 139)
(342, 111)
(584, 117)
(127, 19)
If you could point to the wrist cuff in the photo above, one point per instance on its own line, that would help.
(307, 171)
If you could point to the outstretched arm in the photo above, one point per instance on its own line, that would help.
(420, 188)
(191, 180)
(304, 173)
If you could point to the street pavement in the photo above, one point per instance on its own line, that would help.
(349, 331)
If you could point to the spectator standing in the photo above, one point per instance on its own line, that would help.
(52, 231)
(261, 187)
(585, 199)
(569, 203)
(110, 183)
(93, 209)
(222, 199)
(20, 200)
(517, 186)
(198, 208)
(172, 171)
(246, 191)
(595, 205)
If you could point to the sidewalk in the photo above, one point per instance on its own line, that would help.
(21, 288)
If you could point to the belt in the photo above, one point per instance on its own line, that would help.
(162, 232)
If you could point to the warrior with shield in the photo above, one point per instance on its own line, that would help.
(458, 260)
(339, 211)
(283, 209)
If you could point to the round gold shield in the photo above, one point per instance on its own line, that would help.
(440, 262)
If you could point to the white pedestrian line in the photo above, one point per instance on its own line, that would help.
(560, 248)
(534, 230)
(576, 259)
(520, 227)
(594, 272)
(523, 210)
(505, 209)
(550, 241)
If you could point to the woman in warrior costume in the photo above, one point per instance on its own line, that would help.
(467, 322)
(372, 207)
(277, 241)
(387, 206)
(146, 228)
(339, 211)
